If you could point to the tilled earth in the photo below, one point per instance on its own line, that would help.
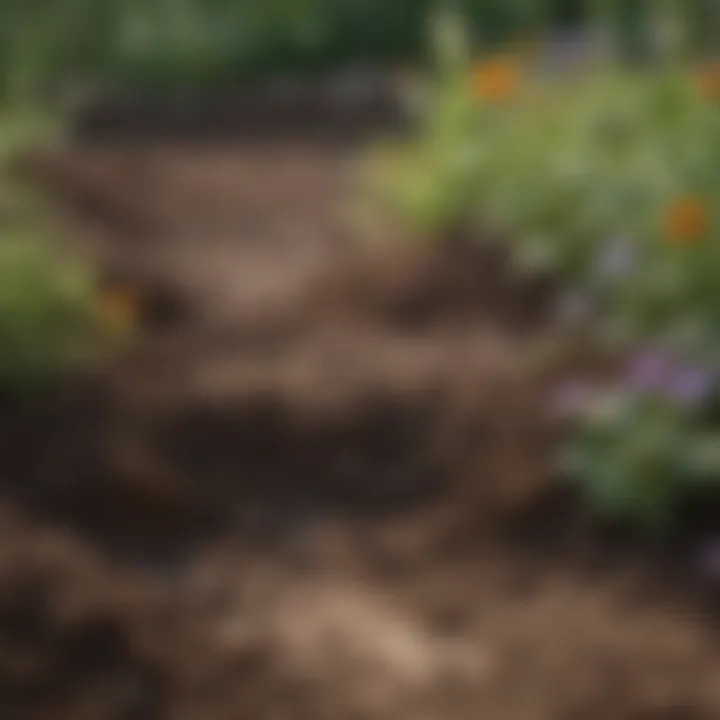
(317, 485)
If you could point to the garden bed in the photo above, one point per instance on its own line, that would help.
(319, 484)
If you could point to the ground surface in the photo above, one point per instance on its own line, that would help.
(317, 486)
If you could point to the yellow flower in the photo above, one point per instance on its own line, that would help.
(686, 221)
(120, 308)
(497, 80)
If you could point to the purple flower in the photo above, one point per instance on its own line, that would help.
(617, 260)
(650, 371)
(657, 372)
(691, 385)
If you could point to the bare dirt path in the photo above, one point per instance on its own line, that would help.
(313, 487)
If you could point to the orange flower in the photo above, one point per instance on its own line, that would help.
(497, 80)
(686, 221)
(709, 81)
(120, 308)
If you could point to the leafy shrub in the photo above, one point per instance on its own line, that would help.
(44, 311)
(610, 181)
(50, 314)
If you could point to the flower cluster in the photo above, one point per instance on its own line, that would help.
(610, 182)
(497, 80)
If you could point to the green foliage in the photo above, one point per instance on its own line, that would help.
(44, 312)
(185, 42)
(47, 315)
(163, 43)
(637, 454)
(610, 182)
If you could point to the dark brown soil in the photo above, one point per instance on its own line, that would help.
(318, 484)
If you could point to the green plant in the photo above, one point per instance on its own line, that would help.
(162, 43)
(645, 441)
(49, 315)
(45, 312)
(610, 182)
(181, 43)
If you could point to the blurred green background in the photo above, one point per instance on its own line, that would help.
(161, 42)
